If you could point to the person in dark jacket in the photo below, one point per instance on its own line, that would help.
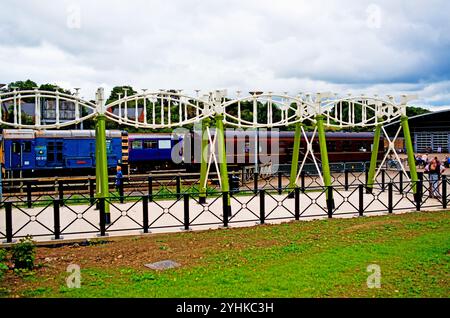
(434, 169)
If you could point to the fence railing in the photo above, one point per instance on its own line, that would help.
(56, 218)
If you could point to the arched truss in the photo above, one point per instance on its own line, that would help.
(266, 110)
(170, 109)
(156, 110)
(360, 111)
(39, 109)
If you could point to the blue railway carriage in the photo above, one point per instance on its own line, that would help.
(152, 151)
(69, 150)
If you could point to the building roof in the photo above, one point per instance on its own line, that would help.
(434, 121)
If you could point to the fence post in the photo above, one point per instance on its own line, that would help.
(330, 201)
(383, 180)
(418, 194)
(121, 195)
(400, 186)
(101, 205)
(56, 219)
(145, 213)
(8, 222)
(255, 182)
(262, 206)
(178, 190)
(302, 179)
(280, 182)
(444, 192)
(150, 188)
(186, 211)
(297, 203)
(29, 203)
(225, 208)
(91, 191)
(346, 179)
(390, 198)
(61, 192)
(361, 199)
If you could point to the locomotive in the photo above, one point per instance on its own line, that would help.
(72, 152)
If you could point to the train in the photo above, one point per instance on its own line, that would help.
(72, 152)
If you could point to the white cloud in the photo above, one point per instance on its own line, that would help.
(280, 46)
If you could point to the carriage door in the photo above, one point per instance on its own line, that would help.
(16, 154)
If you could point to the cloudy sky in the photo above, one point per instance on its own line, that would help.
(383, 47)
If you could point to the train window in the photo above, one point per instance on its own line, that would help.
(150, 144)
(27, 146)
(331, 146)
(346, 146)
(137, 144)
(15, 147)
(50, 156)
(164, 144)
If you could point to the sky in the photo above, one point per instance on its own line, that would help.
(370, 47)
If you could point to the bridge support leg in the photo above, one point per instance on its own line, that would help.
(101, 163)
(325, 163)
(203, 162)
(410, 153)
(295, 155)
(373, 159)
(222, 157)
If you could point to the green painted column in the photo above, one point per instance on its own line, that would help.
(373, 159)
(295, 155)
(324, 154)
(204, 161)
(409, 152)
(222, 157)
(101, 159)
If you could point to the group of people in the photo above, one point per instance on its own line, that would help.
(434, 168)
(424, 160)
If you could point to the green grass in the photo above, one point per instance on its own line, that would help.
(326, 258)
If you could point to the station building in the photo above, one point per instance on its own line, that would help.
(429, 132)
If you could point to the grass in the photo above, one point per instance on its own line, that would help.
(323, 258)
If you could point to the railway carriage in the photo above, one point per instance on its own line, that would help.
(69, 151)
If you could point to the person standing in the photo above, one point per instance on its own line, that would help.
(434, 169)
(119, 177)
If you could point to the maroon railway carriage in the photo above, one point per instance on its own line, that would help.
(341, 146)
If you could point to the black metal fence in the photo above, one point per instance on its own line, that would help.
(55, 218)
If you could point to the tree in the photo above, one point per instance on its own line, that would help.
(120, 90)
(414, 111)
(22, 85)
(54, 88)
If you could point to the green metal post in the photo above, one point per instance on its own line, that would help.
(204, 161)
(373, 159)
(101, 157)
(102, 161)
(324, 154)
(410, 152)
(222, 157)
(295, 155)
